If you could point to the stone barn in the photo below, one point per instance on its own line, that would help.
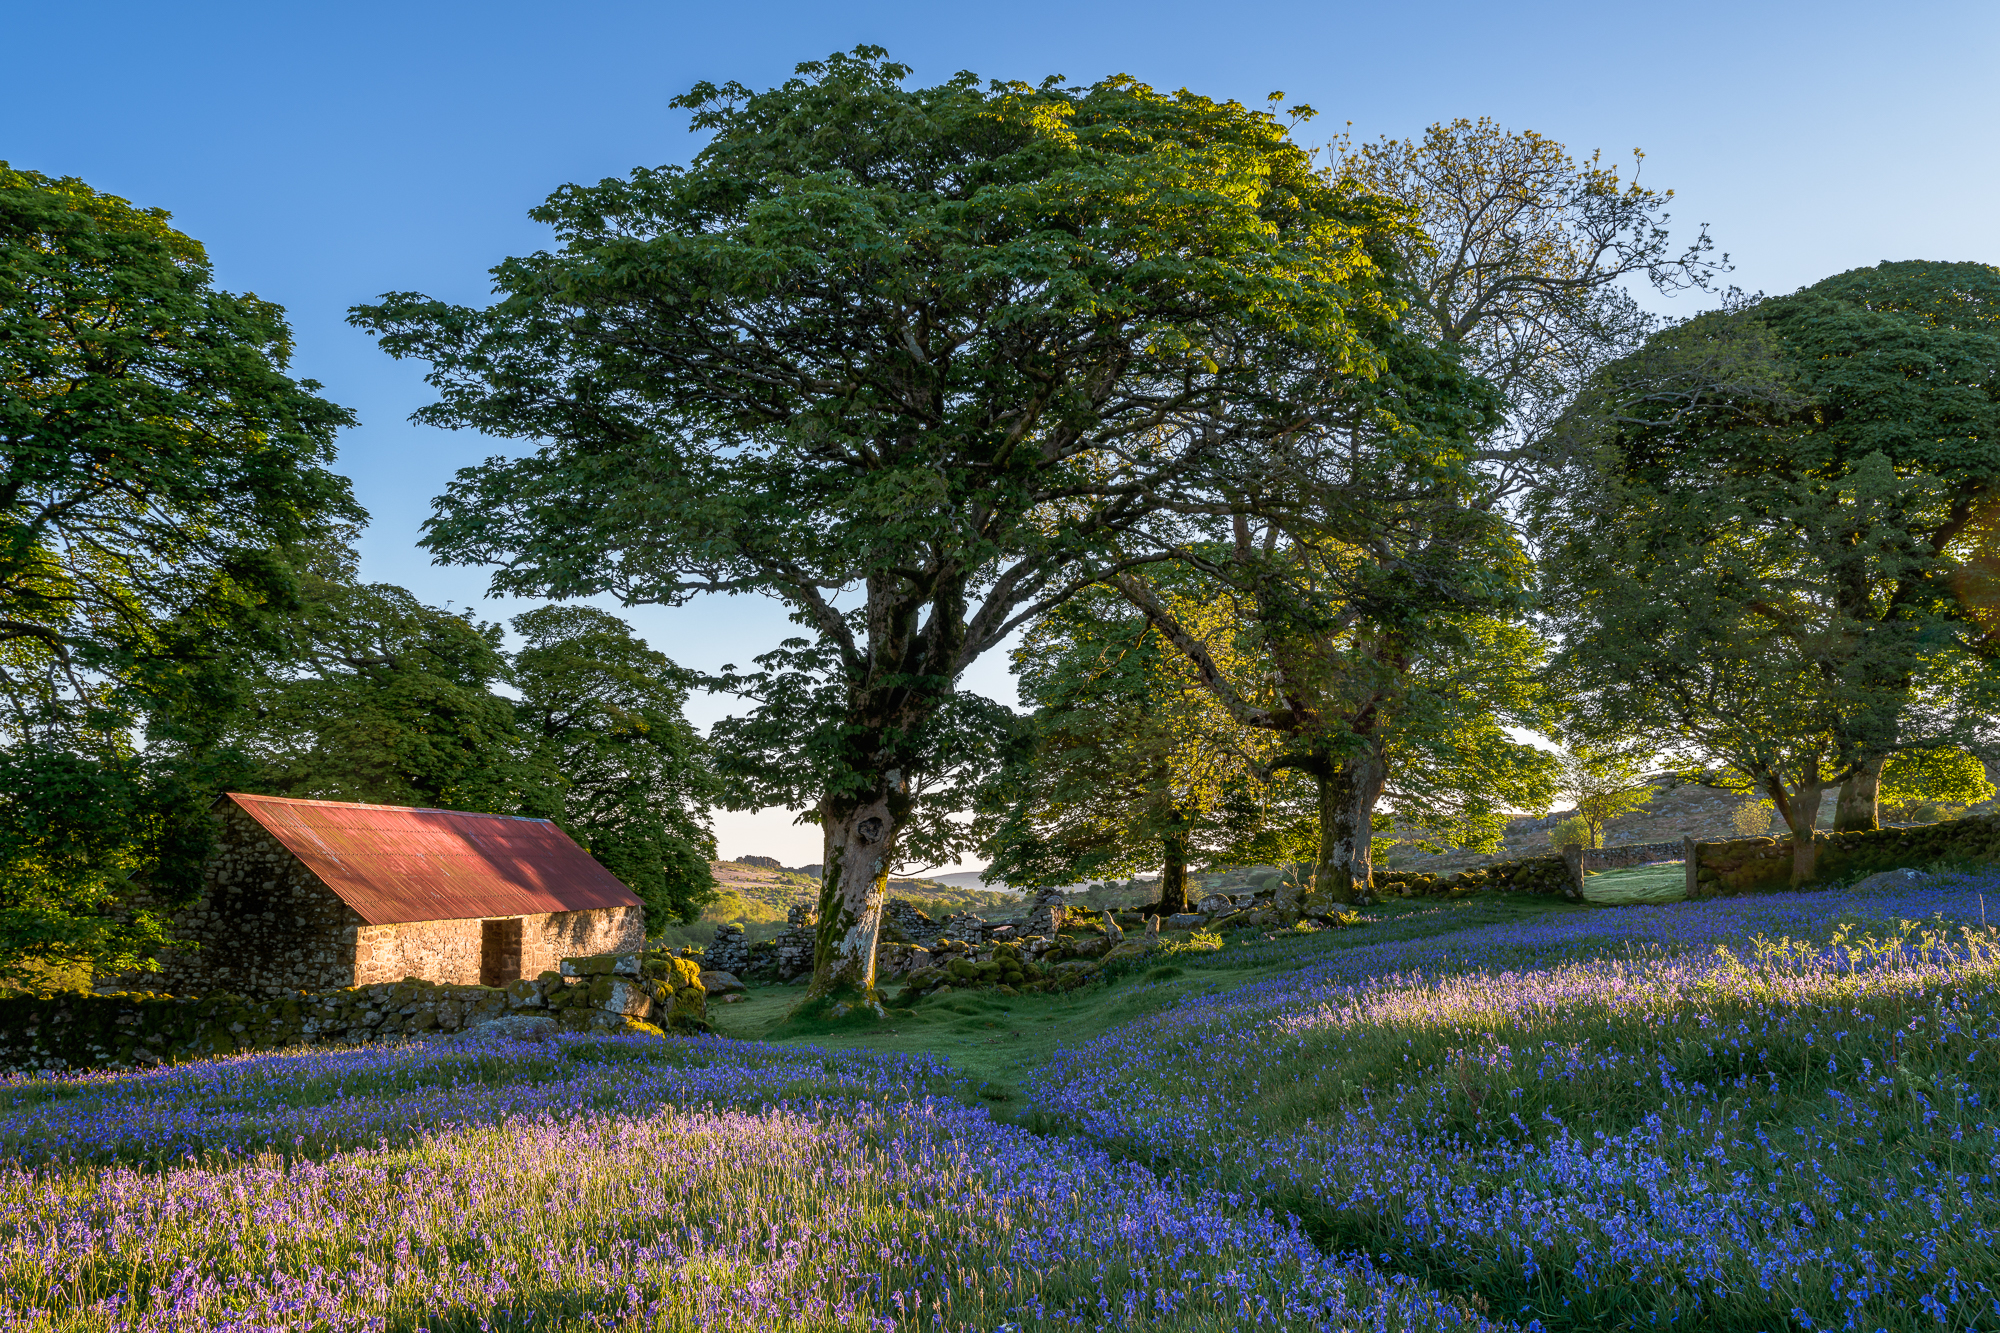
(316, 895)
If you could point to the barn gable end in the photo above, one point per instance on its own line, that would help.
(265, 924)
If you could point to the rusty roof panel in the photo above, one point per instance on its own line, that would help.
(392, 863)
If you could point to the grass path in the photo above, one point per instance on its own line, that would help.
(998, 1040)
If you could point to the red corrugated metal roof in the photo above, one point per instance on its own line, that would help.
(392, 863)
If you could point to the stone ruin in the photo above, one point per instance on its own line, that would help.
(793, 956)
(1048, 912)
(728, 951)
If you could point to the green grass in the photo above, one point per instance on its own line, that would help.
(1639, 884)
(995, 1040)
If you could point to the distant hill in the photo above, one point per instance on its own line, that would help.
(758, 897)
(969, 879)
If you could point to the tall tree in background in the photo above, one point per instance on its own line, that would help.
(1903, 360)
(601, 715)
(1774, 555)
(1915, 783)
(1128, 762)
(1377, 682)
(1523, 262)
(373, 696)
(154, 454)
(1516, 271)
(931, 346)
(1602, 783)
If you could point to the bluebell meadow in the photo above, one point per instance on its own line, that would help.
(1771, 1113)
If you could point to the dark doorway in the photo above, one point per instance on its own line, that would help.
(500, 952)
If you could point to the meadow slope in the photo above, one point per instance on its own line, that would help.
(1769, 1113)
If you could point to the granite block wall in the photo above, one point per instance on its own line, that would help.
(265, 925)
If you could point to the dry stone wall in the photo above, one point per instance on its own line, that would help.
(1632, 854)
(1749, 865)
(1548, 875)
(632, 992)
(728, 952)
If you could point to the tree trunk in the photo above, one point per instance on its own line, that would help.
(1857, 807)
(860, 844)
(1347, 795)
(1173, 873)
(1370, 773)
(1333, 872)
(1800, 807)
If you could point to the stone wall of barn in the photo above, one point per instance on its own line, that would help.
(450, 952)
(264, 925)
(441, 951)
(546, 940)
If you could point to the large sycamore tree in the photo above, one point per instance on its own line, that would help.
(901, 357)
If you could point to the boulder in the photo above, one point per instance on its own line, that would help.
(1183, 921)
(615, 995)
(719, 983)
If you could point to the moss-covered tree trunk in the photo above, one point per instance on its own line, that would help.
(1344, 871)
(1858, 806)
(854, 885)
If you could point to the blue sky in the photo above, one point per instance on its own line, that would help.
(327, 153)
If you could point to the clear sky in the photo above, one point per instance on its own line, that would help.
(327, 153)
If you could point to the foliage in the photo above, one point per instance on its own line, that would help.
(1942, 777)
(602, 718)
(92, 849)
(1377, 674)
(1524, 259)
(798, 739)
(1751, 819)
(1575, 832)
(1601, 784)
(1452, 769)
(1769, 561)
(153, 455)
(932, 345)
(1128, 762)
(374, 696)
(1517, 271)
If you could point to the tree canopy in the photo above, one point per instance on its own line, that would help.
(1768, 558)
(928, 348)
(1126, 761)
(626, 775)
(155, 456)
